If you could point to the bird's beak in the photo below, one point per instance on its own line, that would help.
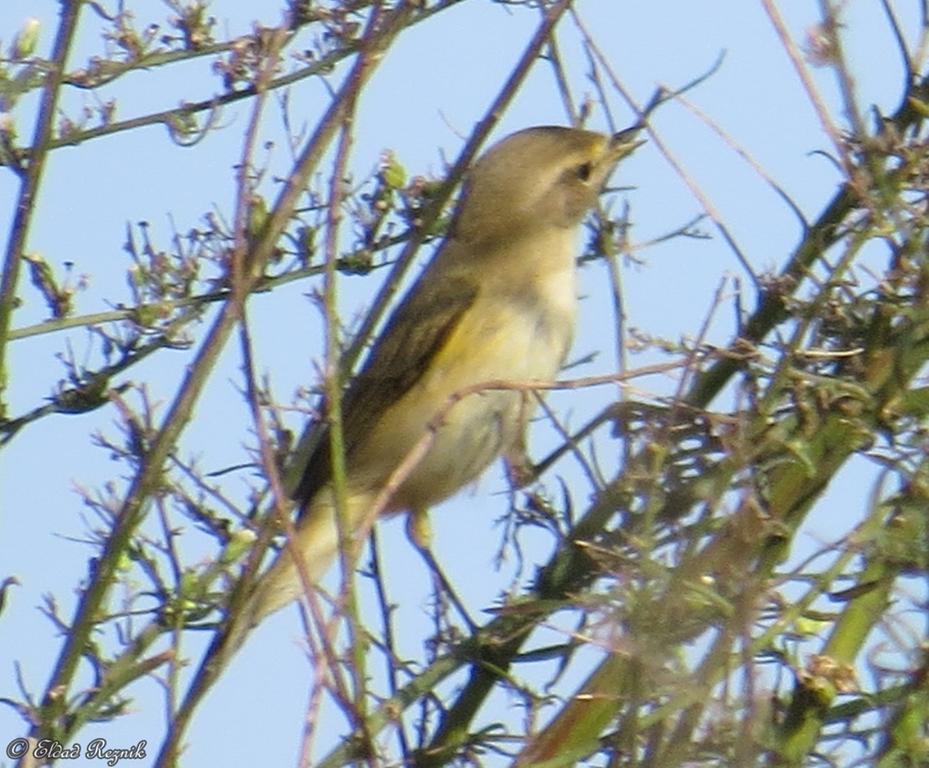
(625, 142)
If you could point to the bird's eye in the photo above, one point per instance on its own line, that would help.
(583, 171)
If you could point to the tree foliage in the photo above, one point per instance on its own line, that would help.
(713, 645)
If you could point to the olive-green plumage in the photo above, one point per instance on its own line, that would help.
(496, 302)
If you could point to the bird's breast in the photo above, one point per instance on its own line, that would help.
(517, 335)
(517, 330)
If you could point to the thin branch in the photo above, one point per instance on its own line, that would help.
(377, 39)
(29, 187)
(822, 111)
(171, 118)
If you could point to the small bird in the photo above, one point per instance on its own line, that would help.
(496, 302)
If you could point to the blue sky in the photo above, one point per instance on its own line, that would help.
(428, 94)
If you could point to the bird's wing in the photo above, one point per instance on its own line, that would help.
(403, 352)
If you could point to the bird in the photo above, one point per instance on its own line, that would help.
(496, 302)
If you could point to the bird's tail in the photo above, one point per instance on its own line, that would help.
(316, 540)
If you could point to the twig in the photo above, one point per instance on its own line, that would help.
(29, 187)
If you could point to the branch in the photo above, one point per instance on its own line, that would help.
(29, 187)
